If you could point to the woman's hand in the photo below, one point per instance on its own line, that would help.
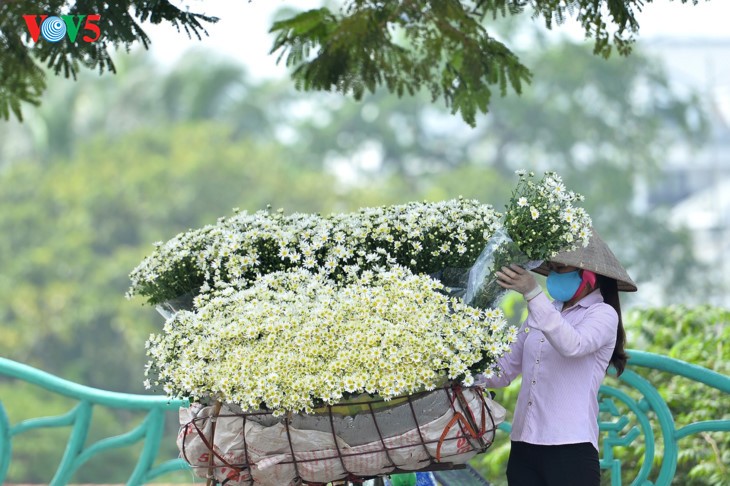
(518, 279)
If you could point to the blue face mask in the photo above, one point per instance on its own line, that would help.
(563, 286)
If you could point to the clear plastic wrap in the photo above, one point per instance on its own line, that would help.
(171, 307)
(482, 289)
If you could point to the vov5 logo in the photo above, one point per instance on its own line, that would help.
(53, 28)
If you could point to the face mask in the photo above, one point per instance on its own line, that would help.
(563, 286)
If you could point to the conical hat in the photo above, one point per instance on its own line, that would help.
(596, 257)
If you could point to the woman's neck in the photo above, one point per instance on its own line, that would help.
(576, 298)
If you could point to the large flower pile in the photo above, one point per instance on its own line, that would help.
(292, 341)
(297, 311)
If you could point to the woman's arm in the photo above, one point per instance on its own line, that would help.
(596, 330)
(510, 365)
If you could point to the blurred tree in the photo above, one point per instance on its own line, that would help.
(442, 46)
(112, 107)
(90, 107)
(603, 124)
(77, 227)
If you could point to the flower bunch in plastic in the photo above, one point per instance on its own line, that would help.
(541, 220)
(294, 341)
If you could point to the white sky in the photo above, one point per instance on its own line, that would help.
(242, 33)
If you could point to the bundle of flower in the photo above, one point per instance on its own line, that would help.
(541, 220)
(423, 237)
(294, 341)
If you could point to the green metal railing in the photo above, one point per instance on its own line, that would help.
(616, 406)
(79, 418)
(619, 432)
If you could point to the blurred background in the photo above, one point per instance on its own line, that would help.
(185, 132)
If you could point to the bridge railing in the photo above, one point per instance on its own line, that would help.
(630, 412)
(648, 407)
(77, 452)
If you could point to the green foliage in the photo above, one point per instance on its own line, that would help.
(405, 46)
(698, 335)
(596, 18)
(443, 47)
(21, 79)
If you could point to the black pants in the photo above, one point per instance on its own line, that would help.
(553, 465)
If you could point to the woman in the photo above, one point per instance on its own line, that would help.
(563, 350)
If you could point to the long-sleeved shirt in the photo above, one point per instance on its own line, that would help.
(563, 356)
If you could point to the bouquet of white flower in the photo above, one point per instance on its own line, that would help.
(294, 341)
(541, 220)
(423, 237)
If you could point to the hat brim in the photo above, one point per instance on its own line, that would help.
(596, 257)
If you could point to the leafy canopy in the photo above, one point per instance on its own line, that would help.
(442, 46)
(21, 77)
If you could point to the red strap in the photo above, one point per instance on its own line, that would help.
(458, 417)
(211, 448)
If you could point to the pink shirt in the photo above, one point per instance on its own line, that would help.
(563, 358)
